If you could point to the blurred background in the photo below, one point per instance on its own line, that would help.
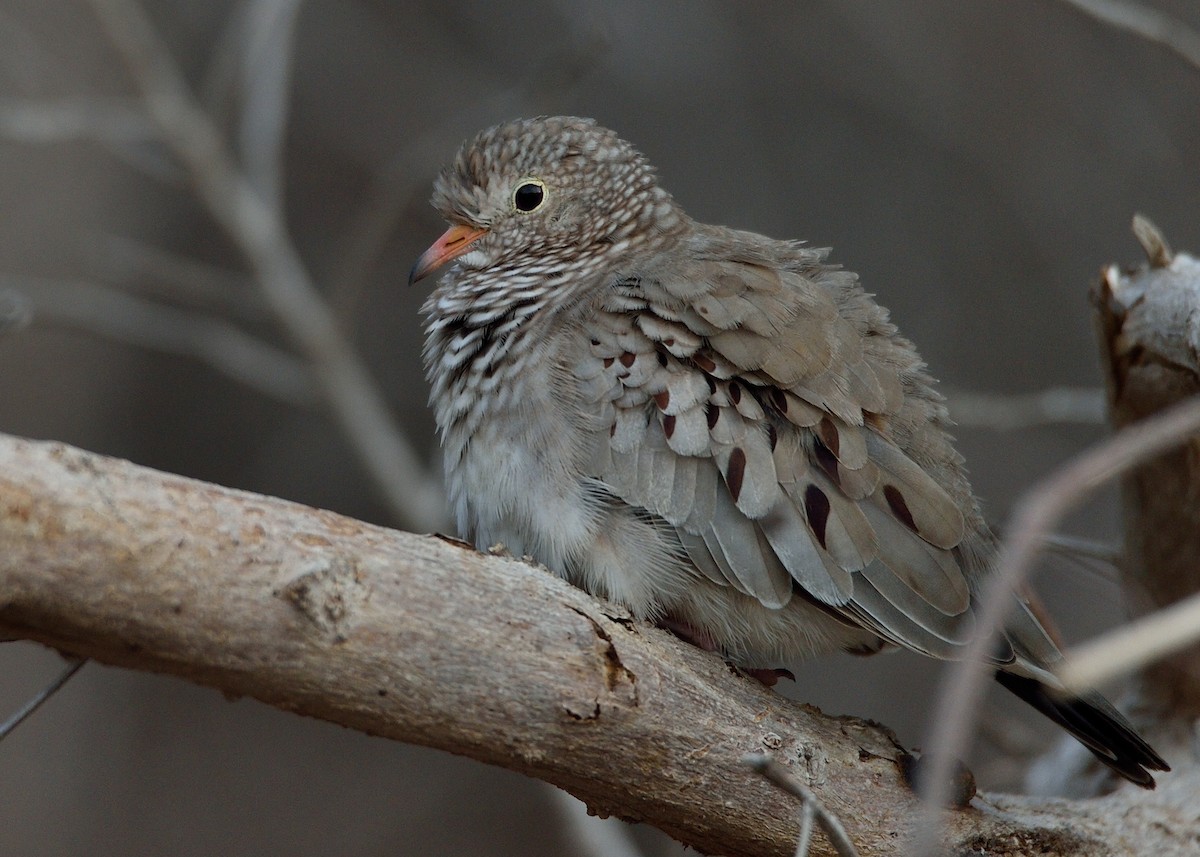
(976, 163)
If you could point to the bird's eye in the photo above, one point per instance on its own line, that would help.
(529, 194)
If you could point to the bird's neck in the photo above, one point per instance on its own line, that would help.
(485, 335)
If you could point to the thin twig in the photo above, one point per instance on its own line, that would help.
(1150, 24)
(414, 496)
(1033, 517)
(1079, 548)
(179, 279)
(22, 714)
(121, 317)
(109, 120)
(779, 776)
(266, 72)
(1008, 412)
(1132, 646)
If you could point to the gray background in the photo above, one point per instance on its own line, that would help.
(975, 162)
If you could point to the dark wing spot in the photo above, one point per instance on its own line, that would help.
(704, 363)
(627, 359)
(735, 472)
(779, 400)
(662, 399)
(816, 506)
(772, 436)
(899, 508)
(735, 392)
(713, 413)
(608, 362)
(612, 429)
(668, 424)
(829, 435)
(827, 462)
(662, 359)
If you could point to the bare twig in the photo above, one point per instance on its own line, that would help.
(1079, 548)
(34, 703)
(1150, 24)
(1033, 517)
(258, 228)
(121, 317)
(1132, 646)
(109, 120)
(1154, 243)
(1053, 406)
(176, 278)
(811, 807)
(266, 70)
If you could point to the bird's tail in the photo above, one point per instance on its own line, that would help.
(1096, 724)
(1090, 717)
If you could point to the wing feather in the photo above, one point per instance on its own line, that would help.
(755, 420)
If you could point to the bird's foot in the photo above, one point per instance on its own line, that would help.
(690, 634)
(704, 640)
(768, 676)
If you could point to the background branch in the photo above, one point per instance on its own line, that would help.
(1145, 321)
(1148, 326)
(1146, 22)
(256, 224)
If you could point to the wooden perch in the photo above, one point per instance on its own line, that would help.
(1148, 323)
(424, 640)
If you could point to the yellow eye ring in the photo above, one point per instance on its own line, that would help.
(529, 195)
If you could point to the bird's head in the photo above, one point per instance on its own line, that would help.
(552, 192)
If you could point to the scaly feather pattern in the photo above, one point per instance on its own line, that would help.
(714, 428)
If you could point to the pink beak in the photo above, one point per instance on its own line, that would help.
(454, 242)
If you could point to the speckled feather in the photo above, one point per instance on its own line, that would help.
(708, 426)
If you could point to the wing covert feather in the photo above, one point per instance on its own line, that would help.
(748, 414)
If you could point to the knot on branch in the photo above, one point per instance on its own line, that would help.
(327, 593)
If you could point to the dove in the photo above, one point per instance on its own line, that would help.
(721, 431)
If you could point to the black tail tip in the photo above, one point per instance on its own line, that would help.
(1096, 725)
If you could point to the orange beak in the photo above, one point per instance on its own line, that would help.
(453, 243)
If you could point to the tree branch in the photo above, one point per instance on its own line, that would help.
(424, 640)
(1148, 323)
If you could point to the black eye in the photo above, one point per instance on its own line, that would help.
(528, 196)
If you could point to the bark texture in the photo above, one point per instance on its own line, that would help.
(424, 640)
(1149, 328)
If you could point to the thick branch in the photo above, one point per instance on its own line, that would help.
(1150, 343)
(426, 641)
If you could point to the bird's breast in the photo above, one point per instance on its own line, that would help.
(514, 464)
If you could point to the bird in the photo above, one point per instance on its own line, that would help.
(721, 431)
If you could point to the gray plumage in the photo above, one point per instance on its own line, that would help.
(716, 429)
